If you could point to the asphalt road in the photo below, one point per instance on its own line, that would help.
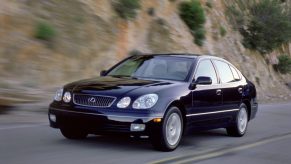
(26, 138)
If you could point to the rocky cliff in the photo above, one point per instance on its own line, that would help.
(89, 36)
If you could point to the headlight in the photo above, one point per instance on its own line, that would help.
(145, 102)
(59, 94)
(124, 102)
(67, 97)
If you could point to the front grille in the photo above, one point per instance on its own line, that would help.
(93, 100)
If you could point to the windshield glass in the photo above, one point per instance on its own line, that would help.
(154, 67)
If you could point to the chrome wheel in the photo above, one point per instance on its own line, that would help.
(238, 127)
(173, 129)
(242, 120)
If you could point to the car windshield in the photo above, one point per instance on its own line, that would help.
(154, 67)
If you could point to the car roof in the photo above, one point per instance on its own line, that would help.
(186, 55)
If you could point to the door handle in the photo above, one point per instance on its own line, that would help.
(240, 90)
(218, 92)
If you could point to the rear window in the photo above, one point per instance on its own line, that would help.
(234, 72)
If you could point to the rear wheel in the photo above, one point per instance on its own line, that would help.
(74, 134)
(169, 135)
(241, 124)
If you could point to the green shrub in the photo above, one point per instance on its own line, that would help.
(284, 65)
(199, 36)
(235, 17)
(193, 15)
(222, 31)
(209, 4)
(264, 24)
(45, 31)
(126, 9)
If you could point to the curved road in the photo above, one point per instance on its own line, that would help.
(25, 138)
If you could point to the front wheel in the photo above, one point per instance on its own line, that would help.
(169, 135)
(241, 124)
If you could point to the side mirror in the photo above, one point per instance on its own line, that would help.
(201, 80)
(103, 73)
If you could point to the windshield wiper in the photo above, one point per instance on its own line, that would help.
(124, 76)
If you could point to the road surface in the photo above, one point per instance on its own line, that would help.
(26, 138)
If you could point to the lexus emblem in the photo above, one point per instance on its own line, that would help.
(92, 100)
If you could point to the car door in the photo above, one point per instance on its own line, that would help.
(230, 85)
(206, 99)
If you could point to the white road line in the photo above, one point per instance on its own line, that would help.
(220, 152)
(23, 126)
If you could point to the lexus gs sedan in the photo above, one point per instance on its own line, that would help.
(162, 96)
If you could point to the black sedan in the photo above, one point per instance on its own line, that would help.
(162, 96)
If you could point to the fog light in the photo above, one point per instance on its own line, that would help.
(53, 117)
(137, 127)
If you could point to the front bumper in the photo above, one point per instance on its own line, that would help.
(99, 123)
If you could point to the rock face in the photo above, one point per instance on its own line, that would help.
(90, 37)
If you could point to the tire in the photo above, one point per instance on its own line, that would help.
(241, 123)
(73, 134)
(169, 135)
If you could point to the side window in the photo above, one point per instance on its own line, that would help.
(224, 71)
(205, 68)
(234, 72)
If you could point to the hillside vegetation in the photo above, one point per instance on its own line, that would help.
(45, 44)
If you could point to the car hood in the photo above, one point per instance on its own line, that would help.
(111, 85)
